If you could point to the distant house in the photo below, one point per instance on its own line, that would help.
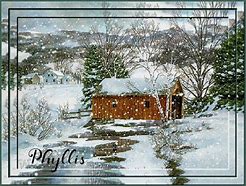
(53, 77)
(133, 99)
(32, 78)
(47, 76)
(67, 79)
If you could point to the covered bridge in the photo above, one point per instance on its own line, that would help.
(132, 98)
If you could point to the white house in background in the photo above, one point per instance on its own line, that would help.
(53, 77)
(32, 78)
(67, 79)
(56, 77)
(47, 77)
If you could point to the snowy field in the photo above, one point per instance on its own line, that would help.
(56, 95)
(213, 136)
(215, 153)
(13, 52)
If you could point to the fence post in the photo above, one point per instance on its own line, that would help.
(79, 113)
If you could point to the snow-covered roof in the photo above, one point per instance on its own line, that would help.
(67, 76)
(117, 86)
(58, 73)
(30, 76)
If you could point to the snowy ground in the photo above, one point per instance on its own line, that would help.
(13, 52)
(214, 138)
(56, 95)
(214, 154)
(141, 161)
(216, 148)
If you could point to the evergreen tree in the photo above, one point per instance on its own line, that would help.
(228, 69)
(95, 70)
(12, 82)
(117, 69)
(4, 68)
(93, 74)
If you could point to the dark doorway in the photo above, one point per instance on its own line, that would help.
(176, 107)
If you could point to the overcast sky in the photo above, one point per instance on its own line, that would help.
(82, 24)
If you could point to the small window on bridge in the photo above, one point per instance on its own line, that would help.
(114, 104)
(146, 104)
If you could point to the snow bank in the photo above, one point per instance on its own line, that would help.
(216, 148)
(13, 52)
(56, 95)
(119, 128)
(26, 143)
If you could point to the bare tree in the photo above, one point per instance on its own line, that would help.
(200, 45)
(62, 110)
(113, 40)
(32, 120)
(41, 118)
(5, 121)
(77, 74)
(63, 60)
(25, 119)
(148, 44)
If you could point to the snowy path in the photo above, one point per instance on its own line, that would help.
(141, 161)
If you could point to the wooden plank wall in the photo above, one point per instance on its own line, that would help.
(127, 107)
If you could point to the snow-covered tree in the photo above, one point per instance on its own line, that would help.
(32, 120)
(42, 123)
(5, 120)
(25, 119)
(201, 43)
(93, 74)
(229, 72)
(117, 69)
(63, 59)
(148, 44)
(113, 39)
(3, 72)
(62, 109)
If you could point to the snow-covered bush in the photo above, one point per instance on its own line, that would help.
(165, 141)
(62, 109)
(25, 119)
(5, 121)
(32, 120)
(41, 117)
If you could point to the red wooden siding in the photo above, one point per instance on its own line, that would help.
(127, 107)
